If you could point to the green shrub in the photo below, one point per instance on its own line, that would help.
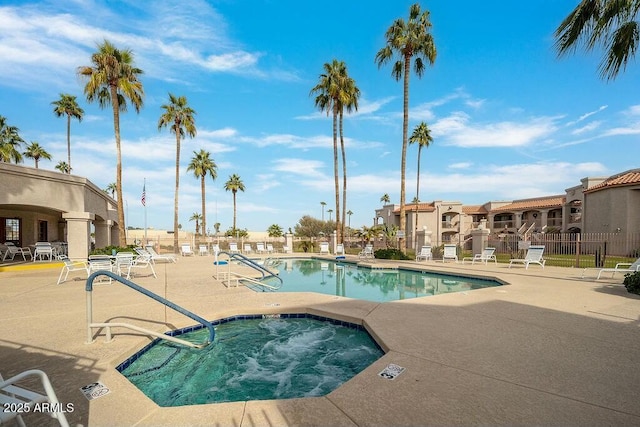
(390, 254)
(632, 282)
(108, 250)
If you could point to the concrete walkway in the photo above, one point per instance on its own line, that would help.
(549, 348)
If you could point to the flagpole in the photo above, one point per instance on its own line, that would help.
(145, 211)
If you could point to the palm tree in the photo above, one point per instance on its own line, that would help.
(327, 99)
(385, 198)
(612, 25)
(330, 211)
(323, 204)
(179, 117)
(10, 141)
(197, 218)
(202, 165)
(234, 184)
(112, 79)
(36, 152)
(275, 230)
(422, 135)
(111, 188)
(407, 40)
(68, 106)
(63, 167)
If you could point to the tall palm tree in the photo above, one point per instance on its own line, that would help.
(179, 117)
(330, 211)
(422, 135)
(111, 188)
(68, 106)
(36, 152)
(407, 40)
(197, 218)
(323, 204)
(327, 99)
(385, 198)
(113, 79)
(234, 184)
(10, 141)
(202, 165)
(612, 25)
(348, 98)
(63, 167)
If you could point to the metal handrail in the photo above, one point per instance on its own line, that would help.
(156, 297)
(249, 263)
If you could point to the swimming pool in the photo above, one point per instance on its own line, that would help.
(379, 285)
(254, 358)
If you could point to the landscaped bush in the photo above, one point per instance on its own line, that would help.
(390, 254)
(632, 282)
(109, 250)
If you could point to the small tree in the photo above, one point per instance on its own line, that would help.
(275, 230)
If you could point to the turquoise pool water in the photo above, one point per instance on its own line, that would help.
(348, 280)
(254, 359)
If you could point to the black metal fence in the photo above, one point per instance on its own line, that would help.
(574, 249)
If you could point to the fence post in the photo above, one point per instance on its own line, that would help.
(577, 250)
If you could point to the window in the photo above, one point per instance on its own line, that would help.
(11, 230)
(43, 235)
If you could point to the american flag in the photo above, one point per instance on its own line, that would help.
(144, 195)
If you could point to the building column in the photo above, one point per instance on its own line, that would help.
(333, 241)
(103, 233)
(78, 234)
(288, 241)
(480, 237)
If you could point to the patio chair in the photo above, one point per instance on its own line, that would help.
(324, 248)
(286, 249)
(215, 248)
(339, 249)
(450, 252)
(43, 250)
(100, 263)
(70, 267)
(260, 248)
(16, 401)
(155, 256)
(487, 254)
(233, 248)
(533, 256)
(621, 267)
(12, 250)
(185, 250)
(203, 250)
(367, 252)
(425, 253)
(270, 249)
(247, 248)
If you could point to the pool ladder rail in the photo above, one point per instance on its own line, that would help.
(230, 278)
(108, 325)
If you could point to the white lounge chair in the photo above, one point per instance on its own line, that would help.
(533, 256)
(12, 250)
(621, 267)
(286, 249)
(485, 256)
(185, 250)
(43, 250)
(450, 252)
(260, 248)
(233, 248)
(71, 266)
(155, 256)
(270, 249)
(203, 250)
(324, 248)
(215, 249)
(17, 401)
(425, 253)
(339, 249)
(100, 263)
(367, 252)
(247, 248)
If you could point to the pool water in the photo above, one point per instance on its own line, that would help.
(254, 359)
(349, 280)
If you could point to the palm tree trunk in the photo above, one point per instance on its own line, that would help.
(175, 197)
(204, 214)
(122, 236)
(418, 177)
(69, 141)
(344, 180)
(403, 162)
(335, 171)
(234, 211)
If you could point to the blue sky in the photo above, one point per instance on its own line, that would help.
(509, 119)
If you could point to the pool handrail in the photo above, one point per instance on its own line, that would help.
(250, 263)
(146, 292)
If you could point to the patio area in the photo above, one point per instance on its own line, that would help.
(548, 348)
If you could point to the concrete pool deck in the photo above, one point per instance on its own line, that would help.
(549, 348)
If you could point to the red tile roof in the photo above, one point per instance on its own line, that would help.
(542, 203)
(474, 210)
(422, 207)
(631, 177)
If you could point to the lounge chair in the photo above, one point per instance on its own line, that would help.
(185, 250)
(339, 249)
(155, 256)
(233, 248)
(286, 249)
(260, 248)
(43, 250)
(203, 250)
(270, 249)
(621, 267)
(533, 256)
(324, 248)
(367, 252)
(17, 401)
(247, 248)
(101, 263)
(71, 266)
(12, 250)
(215, 249)
(450, 252)
(485, 256)
(126, 262)
(425, 253)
